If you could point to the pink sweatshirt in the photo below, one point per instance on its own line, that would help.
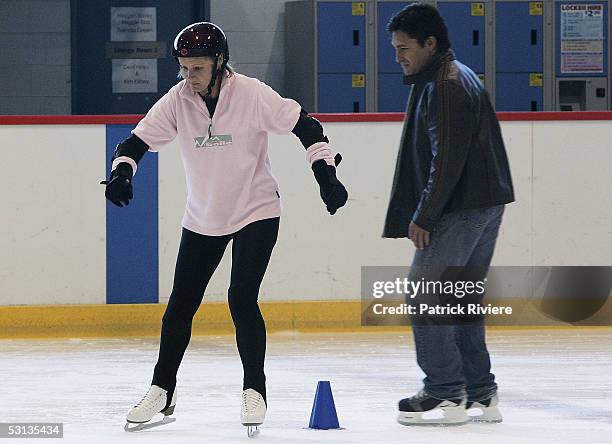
(229, 179)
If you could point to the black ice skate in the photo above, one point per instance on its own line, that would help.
(424, 409)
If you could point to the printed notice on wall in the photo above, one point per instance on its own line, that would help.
(582, 38)
(134, 25)
(134, 75)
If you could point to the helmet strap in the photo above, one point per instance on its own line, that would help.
(214, 76)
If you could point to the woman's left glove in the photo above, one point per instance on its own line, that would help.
(333, 193)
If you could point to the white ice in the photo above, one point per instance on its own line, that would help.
(555, 387)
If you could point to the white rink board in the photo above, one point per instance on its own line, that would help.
(572, 191)
(53, 246)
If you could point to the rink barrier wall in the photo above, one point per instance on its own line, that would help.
(68, 247)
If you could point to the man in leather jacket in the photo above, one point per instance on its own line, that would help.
(451, 182)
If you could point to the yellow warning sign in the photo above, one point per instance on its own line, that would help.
(358, 80)
(478, 9)
(535, 8)
(358, 8)
(536, 79)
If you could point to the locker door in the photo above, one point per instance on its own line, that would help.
(341, 38)
(338, 95)
(514, 93)
(466, 29)
(392, 93)
(518, 36)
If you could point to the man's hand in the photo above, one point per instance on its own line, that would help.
(418, 236)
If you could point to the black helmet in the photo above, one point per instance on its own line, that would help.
(202, 39)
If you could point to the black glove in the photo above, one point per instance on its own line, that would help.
(333, 193)
(119, 186)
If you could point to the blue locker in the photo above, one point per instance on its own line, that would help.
(392, 93)
(466, 33)
(337, 94)
(606, 40)
(386, 53)
(513, 93)
(341, 38)
(518, 37)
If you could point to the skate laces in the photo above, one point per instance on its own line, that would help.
(250, 400)
(422, 394)
(149, 400)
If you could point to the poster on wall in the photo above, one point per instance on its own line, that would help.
(582, 38)
(129, 24)
(134, 75)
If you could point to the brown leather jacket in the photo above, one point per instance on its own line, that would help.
(451, 155)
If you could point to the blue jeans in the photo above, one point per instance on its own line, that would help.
(454, 357)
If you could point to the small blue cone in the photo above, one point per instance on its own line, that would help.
(323, 414)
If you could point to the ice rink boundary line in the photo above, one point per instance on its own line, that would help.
(125, 320)
(337, 117)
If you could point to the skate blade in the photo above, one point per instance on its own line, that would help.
(439, 417)
(137, 427)
(252, 431)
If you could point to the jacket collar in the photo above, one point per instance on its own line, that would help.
(189, 94)
(429, 72)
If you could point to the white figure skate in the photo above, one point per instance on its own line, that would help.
(153, 402)
(253, 411)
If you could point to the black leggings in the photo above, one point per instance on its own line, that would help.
(197, 260)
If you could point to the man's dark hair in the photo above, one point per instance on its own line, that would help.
(419, 21)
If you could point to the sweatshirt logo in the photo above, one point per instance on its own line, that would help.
(214, 140)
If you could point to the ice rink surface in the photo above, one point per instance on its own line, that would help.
(555, 387)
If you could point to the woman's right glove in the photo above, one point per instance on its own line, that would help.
(332, 191)
(119, 185)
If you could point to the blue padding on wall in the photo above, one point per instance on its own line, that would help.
(132, 247)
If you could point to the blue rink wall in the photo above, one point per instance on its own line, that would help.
(132, 233)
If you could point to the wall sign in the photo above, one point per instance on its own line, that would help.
(139, 26)
(582, 38)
